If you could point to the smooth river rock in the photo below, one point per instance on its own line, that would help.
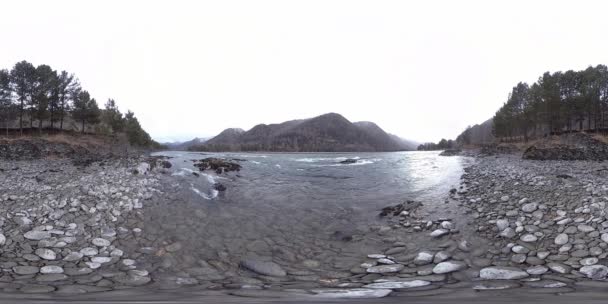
(398, 285)
(263, 267)
(449, 266)
(502, 273)
(385, 268)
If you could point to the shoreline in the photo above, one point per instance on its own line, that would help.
(465, 244)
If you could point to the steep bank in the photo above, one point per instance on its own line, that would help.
(82, 149)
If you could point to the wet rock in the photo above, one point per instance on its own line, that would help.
(217, 164)
(397, 209)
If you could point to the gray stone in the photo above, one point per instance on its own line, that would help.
(352, 293)
(561, 239)
(508, 233)
(530, 207)
(518, 258)
(398, 285)
(423, 258)
(502, 224)
(449, 266)
(439, 232)
(528, 238)
(502, 273)
(559, 268)
(585, 228)
(51, 277)
(51, 269)
(588, 261)
(441, 256)
(177, 246)
(46, 254)
(385, 268)
(100, 242)
(36, 289)
(25, 270)
(263, 267)
(89, 251)
(595, 272)
(37, 235)
(537, 270)
(494, 285)
(101, 260)
(73, 256)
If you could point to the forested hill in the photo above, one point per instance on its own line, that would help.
(556, 103)
(478, 134)
(326, 133)
(40, 99)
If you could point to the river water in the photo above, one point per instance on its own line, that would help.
(294, 207)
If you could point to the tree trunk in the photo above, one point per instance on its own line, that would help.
(21, 118)
(52, 124)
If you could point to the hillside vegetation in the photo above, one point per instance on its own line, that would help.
(559, 102)
(42, 100)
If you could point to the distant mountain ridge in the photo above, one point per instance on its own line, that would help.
(326, 133)
(197, 141)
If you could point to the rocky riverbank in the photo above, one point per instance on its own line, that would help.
(127, 223)
(540, 226)
(66, 228)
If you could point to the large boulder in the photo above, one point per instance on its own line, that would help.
(217, 164)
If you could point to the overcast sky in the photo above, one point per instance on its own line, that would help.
(420, 69)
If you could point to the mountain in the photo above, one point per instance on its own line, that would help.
(227, 137)
(326, 133)
(183, 146)
(477, 134)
